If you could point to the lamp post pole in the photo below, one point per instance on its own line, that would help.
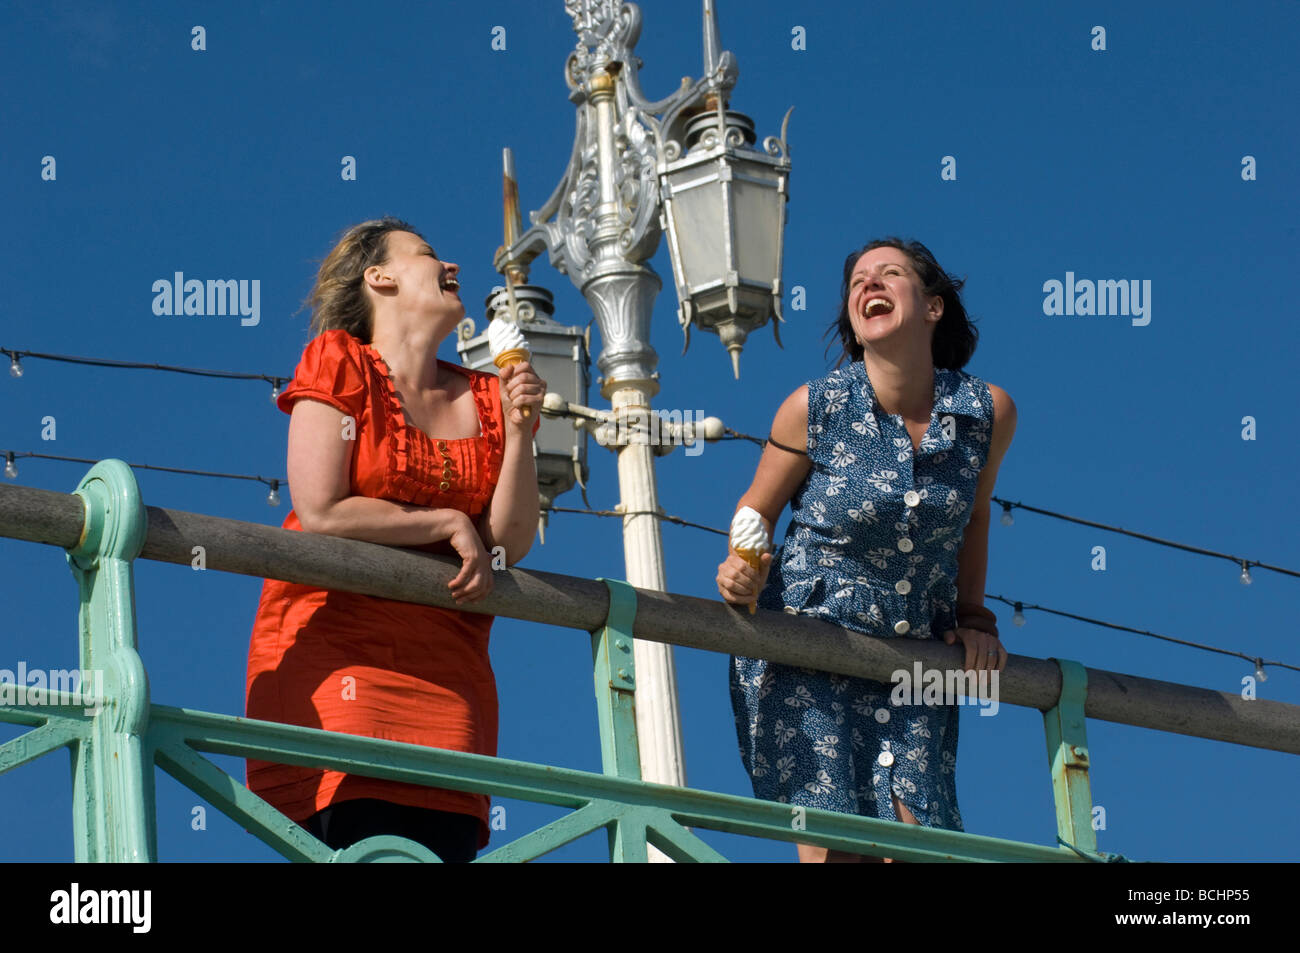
(639, 167)
(621, 292)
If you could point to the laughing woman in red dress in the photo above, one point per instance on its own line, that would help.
(390, 445)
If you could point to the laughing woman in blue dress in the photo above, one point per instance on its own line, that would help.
(888, 464)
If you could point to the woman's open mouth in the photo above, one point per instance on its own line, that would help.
(876, 307)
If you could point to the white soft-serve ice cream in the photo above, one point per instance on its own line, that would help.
(508, 346)
(749, 538)
(504, 336)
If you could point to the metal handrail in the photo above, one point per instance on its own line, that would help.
(254, 549)
(104, 527)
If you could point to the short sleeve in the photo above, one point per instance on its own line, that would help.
(330, 371)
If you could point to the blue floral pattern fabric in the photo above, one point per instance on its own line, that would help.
(872, 545)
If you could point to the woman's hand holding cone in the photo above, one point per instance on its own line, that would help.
(740, 581)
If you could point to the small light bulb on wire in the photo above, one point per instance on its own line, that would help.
(1019, 616)
(273, 498)
(1007, 518)
(1245, 573)
(11, 469)
(1259, 670)
(275, 389)
(15, 369)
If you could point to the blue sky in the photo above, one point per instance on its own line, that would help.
(1117, 164)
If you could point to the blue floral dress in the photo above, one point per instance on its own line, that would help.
(872, 545)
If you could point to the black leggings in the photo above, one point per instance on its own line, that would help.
(453, 837)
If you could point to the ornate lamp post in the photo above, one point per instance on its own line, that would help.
(680, 164)
(724, 213)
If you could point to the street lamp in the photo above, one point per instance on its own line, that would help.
(637, 168)
(559, 356)
(724, 214)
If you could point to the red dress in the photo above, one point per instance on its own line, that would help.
(367, 666)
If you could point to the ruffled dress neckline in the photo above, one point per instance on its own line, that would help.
(397, 408)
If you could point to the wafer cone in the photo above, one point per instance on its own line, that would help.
(515, 355)
(755, 559)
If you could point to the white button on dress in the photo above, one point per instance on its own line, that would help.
(885, 759)
(904, 545)
(911, 498)
(901, 626)
(902, 587)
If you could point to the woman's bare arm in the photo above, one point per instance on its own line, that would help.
(320, 464)
(510, 520)
(973, 557)
(780, 473)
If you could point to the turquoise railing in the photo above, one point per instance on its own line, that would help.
(115, 747)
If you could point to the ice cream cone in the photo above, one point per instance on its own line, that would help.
(755, 560)
(515, 355)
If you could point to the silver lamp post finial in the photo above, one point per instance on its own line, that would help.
(712, 40)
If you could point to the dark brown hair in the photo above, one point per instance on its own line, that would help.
(955, 336)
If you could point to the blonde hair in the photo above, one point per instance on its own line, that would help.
(338, 299)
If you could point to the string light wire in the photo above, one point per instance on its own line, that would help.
(273, 496)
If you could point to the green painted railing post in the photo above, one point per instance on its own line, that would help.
(112, 768)
(615, 675)
(1067, 753)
